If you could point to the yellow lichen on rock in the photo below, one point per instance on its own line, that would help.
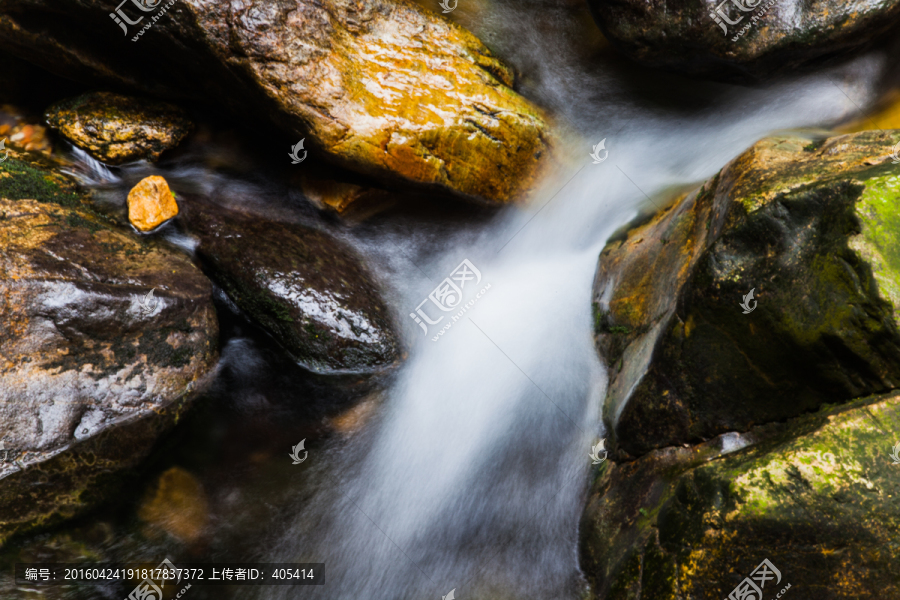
(151, 203)
(177, 505)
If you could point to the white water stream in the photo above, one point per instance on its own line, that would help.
(473, 476)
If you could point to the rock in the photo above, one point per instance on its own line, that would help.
(383, 87)
(177, 504)
(116, 129)
(17, 132)
(88, 379)
(307, 289)
(352, 202)
(691, 37)
(811, 228)
(886, 115)
(151, 203)
(815, 497)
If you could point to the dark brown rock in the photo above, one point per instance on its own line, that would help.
(783, 35)
(309, 290)
(88, 378)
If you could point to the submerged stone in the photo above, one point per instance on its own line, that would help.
(310, 291)
(116, 129)
(812, 229)
(93, 366)
(151, 203)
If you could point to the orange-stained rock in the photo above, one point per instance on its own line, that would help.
(353, 202)
(380, 87)
(177, 505)
(151, 203)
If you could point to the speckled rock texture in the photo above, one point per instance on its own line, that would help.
(812, 228)
(381, 87)
(116, 129)
(151, 203)
(89, 378)
(741, 40)
(816, 497)
(306, 288)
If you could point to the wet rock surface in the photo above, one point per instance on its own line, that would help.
(151, 203)
(116, 129)
(383, 88)
(816, 496)
(812, 228)
(743, 40)
(91, 374)
(306, 288)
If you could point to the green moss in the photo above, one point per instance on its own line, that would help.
(879, 213)
(20, 181)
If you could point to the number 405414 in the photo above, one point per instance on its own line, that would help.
(292, 574)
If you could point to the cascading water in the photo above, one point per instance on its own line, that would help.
(472, 474)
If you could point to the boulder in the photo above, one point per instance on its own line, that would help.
(310, 291)
(814, 497)
(151, 203)
(93, 367)
(741, 40)
(811, 229)
(383, 87)
(116, 129)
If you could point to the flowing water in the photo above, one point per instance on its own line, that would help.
(473, 471)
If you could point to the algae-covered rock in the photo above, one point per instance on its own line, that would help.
(741, 39)
(116, 129)
(303, 286)
(382, 87)
(91, 373)
(817, 497)
(811, 228)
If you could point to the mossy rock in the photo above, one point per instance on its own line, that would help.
(811, 228)
(116, 129)
(310, 291)
(816, 496)
(89, 378)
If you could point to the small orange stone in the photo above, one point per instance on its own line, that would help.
(151, 203)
